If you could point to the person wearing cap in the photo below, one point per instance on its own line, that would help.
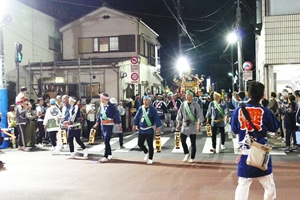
(116, 128)
(51, 122)
(40, 112)
(161, 108)
(189, 119)
(108, 116)
(217, 115)
(173, 107)
(74, 128)
(21, 121)
(145, 119)
(21, 95)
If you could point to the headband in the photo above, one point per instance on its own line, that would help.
(147, 97)
(189, 92)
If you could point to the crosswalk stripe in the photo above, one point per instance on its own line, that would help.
(100, 147)
(180, 150)
(208, 145)
(128, 145)
(163, 140)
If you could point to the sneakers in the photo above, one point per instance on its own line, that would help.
(213, 150)
(295, 148)
(72, 156)
(103, 160)
(223, 147)
(122, 147)
(40, 145)
(191, 161)
(109, 157)
(146, 156)
(149, 162)
(85, 153)
(287, 149)
(52, 148)
(186, 157)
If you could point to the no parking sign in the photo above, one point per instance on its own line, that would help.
(247, 65)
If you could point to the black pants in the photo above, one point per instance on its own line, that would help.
(120, 139)
(71, 143)
(90, 125)
(53, 138)
(288, 135)
(41, 134)
(22, 135)
(141, 141)
(185, 147)
(214, 131)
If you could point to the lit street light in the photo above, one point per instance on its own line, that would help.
(182, 66)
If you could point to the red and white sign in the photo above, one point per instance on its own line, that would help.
(134, 76)
(134, 60)
(247, 65)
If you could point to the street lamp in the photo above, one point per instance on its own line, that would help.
(232, 38)
(182, 66)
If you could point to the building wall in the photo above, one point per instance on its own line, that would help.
(277, 45)
(32, 29)
(93, 25)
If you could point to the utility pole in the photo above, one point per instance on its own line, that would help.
(179, 28)
(240, 46)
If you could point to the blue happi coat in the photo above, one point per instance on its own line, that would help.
(264, 121)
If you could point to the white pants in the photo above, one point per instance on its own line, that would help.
(242, 190)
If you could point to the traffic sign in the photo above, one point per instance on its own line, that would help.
(247, 65)
(134, 76)
(247, 75)
(134, 60)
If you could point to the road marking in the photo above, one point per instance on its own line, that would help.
(128, 145)
(100, 147)
(180, 150)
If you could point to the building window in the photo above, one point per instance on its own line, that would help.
(103, 44)
(113, 43)
(85, 45)
(286, 7)
(151, 57)
(54, 44)
(142, 46)
(96, 46)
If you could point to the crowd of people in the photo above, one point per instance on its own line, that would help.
(40, 122)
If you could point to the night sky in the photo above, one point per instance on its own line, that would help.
(207, 22)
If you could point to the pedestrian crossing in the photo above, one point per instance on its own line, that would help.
(204, 144)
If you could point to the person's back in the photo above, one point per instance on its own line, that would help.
(264, 121)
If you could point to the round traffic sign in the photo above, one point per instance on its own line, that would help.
(247, 65)
(134, 76)
(134, 60)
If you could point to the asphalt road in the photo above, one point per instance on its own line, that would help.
(39, 175)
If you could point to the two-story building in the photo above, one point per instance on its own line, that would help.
(278, 44)
(37, 32)
(103, 51)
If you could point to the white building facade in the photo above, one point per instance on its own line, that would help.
(117, 45)
(278, 44)
(37, 32)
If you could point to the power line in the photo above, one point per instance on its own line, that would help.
(138, 13)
